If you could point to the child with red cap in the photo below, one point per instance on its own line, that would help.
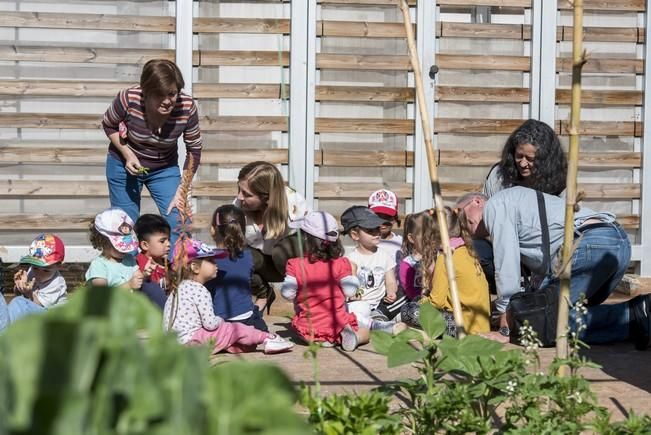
(384, 203)
(41, 286)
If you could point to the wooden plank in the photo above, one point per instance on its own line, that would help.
(17, 53)
(494, 3)
(238, 90)
(242, 156)
(480, 62)
(50, 120)
(365, 62)
(599, 65)
(240, 25)
(364, 125)
(241, 58)
(592, 191)
(476, 126)
(243, 123)
(86, 156)
(73, 88)
(327, 190)
(51, 20)
(474, 30)
(362, 158)
(607, 5)
(96, 188)
(361, 29)
(587, 160)
(482, 94)
(603, 128)
(603, 34)
(363, 93)
(602, 98)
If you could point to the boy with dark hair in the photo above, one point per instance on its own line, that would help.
(153, 234)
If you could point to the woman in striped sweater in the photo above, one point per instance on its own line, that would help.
(143, 124)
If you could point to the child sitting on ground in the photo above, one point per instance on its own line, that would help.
(189, 311)
(112, 234)
(41, 286)
(374, 268)
(384, 203)
(231, 289)
(153, 234)
(319, 283)
(471, 283)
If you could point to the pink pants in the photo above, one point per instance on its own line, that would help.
(231, 337)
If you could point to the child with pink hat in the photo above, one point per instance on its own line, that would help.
(112, 234)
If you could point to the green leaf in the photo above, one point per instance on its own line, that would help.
(431, 320)
(401, 353)
(381, 342)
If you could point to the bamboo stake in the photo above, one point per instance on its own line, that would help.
(433, 170)
(578, 60)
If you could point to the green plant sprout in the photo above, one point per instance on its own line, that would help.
(143, 170)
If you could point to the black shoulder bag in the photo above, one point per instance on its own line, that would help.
(536, 306)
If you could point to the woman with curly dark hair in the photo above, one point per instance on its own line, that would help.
(532, 157)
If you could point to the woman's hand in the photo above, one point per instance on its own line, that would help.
(132, 164)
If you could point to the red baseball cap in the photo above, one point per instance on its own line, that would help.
(383, 201)
(45, 250)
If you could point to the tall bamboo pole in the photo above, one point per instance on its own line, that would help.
(433, 170)
(578, 60)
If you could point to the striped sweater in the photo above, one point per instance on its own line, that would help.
(155, 150)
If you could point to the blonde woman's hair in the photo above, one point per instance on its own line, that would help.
(266, 181)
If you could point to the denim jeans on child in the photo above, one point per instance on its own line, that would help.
(125, 190)
(21, 307)
(598, 264)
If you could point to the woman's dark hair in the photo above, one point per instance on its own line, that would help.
(321, 250)
(550, 167)
(98, 240)
(159, 77)
(228, 226)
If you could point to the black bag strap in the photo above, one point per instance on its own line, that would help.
(544, 230)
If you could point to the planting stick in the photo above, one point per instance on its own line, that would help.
(433, 170)
(578, 60)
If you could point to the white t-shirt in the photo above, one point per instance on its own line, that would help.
(52, 292)
(297, 209)
(371, 270)
(392, 246)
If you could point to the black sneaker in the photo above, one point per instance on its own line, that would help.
(640, 321)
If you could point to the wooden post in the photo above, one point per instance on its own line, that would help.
(433, 170)
(578, 60)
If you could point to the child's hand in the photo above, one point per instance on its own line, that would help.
(136, 280)
(149, 268)
(22, 284)
(390, 297)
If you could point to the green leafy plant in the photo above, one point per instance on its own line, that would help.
(474, 385)
(101, 365)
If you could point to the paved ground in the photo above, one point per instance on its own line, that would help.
(623, 383)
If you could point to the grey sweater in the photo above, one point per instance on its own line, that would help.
(512, 220)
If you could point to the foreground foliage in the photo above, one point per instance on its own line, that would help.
(87, 368)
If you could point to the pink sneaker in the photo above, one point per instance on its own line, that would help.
(276, 344)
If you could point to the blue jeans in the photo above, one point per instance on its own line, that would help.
(21, 307)
(4, 313)
(598, 264)
(125, 190)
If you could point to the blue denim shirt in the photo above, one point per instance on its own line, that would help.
(512, 220)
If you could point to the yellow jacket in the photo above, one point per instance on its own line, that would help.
(473, 290)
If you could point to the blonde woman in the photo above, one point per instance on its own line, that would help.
(270, 207)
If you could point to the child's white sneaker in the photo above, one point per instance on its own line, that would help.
(349, 341)
(276, 344)
(393, 328)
